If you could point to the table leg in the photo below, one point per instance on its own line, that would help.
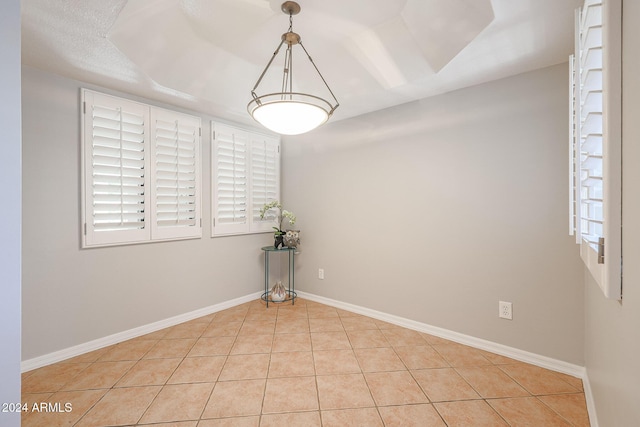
(266, 277)
(292, 276)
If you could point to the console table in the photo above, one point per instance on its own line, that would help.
(291, 289)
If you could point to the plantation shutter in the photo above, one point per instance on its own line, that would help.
(574, 172)
(245, 176)
(175, 190)
(230, 179)
(114, 133)
(595, 142)
(265, 182)
(588, 153)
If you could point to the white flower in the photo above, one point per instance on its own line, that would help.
(282, 215)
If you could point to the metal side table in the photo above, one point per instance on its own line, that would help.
(291, 290)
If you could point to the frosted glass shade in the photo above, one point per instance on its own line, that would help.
(291, 116)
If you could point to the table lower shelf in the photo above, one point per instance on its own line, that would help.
(290, 296)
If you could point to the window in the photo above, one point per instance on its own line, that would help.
(141, 172)
(245, 176)
(595, 142)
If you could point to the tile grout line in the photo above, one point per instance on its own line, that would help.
(266, 380)
(166, 382)
(115, 383)
(204, 407)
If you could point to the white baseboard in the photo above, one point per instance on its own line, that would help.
(57, 356)
(591, 404)
(503, 350)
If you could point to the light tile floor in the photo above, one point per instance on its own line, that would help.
(303, 365)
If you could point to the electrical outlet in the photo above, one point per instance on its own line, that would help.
(505, 310)
(321, 273)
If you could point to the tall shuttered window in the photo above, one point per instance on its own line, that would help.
(141, 169)
(265, 178)
(230, 180)
(245, 176)
(595, 142)
(175, 150)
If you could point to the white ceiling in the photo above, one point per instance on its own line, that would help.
(206, 55)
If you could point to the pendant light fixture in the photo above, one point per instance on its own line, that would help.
(288, 112)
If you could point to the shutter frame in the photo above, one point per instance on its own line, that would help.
(598, 153)
(110, 173)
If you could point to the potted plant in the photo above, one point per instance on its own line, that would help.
(282, 214)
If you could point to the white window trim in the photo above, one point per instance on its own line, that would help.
(150, 231)
(603, 261)
(250, 223)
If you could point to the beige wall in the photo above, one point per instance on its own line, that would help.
(612, 344)
(72, 295)
(10, 177)
(436, 210)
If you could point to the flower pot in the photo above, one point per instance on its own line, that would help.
(291, 238)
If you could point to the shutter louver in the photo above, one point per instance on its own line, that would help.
(590, 122)
(118, 170)
(573, 150)
(176, 192)
(588, 119)
(265, 172)
(230, 154)
(231, 176)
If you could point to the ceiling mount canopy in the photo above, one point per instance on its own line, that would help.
(288, 112)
